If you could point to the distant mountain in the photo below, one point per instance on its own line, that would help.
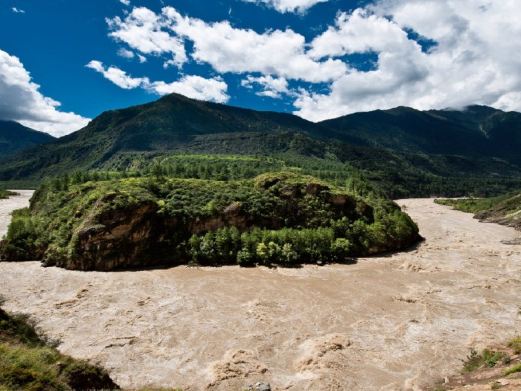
(406, 151)
(167, 124)
(475, 131)
(15, 137)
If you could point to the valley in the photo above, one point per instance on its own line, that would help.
(402, 321)
(260, 195)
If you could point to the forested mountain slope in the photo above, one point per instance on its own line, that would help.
(474, 131)
(15, 137)
(405, 151)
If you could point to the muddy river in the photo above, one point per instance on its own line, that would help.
(388, 323)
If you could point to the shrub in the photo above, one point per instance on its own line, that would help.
(513, 369)
(487, 357)
(515, 344)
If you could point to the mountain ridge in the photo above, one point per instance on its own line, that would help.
(400, 145)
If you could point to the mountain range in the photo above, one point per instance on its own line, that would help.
(403, 149)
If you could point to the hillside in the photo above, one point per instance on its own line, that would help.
(15, 137)
(427, 155)
(29, 362)
(474, 131)
(166, 124)
(277, 218)
(505, 209)
(494, 368)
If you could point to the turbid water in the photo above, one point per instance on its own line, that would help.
(388, 323)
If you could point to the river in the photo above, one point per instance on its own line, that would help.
(397, 322)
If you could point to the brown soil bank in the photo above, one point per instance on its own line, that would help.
(389, 323)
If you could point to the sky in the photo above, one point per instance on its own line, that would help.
(63, 62)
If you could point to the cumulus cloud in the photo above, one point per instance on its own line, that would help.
(125, 2)
(272, 87)
(227, 49)
(17, 10)
(472, 61)
(288, 5)
(470, 57)
(195, 87)
(143, 31)
(21, 101)
(192, 86)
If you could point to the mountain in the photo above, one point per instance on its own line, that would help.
(167, 124)
(474, 131)
(405, 151)
(15, 137)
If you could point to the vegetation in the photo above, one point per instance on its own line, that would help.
(15, 137)
(463, 163)
(513, 369)
(488, 358)
(471, 205)
(515, 345)
(473, 132)
(489, 367)
(6, 194)
(280, 218)
(505, 209)
(29, 362)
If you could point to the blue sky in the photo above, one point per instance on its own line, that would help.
(316, 58)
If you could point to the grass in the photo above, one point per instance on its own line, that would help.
(515, 344)
(487, 358)
(469, 205)
(513, 369)
(30, 362)
(505, 209)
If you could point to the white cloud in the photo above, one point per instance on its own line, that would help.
(21, 101)
(195, 87)
(473, 60)
(272, 87)
(289, 5)
(17, 10)
(143, 30)
(225, 48)
(125, 53)
(125, 2)
(117, 76)
(192, 86)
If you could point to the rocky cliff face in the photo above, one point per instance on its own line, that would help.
(137, 236)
